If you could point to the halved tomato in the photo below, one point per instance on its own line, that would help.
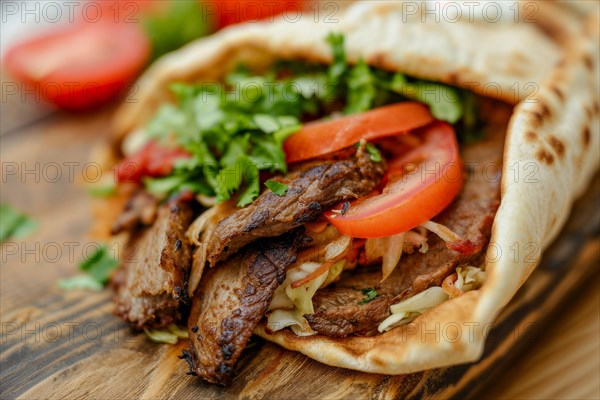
(322, 137)
(83, 65)
(420, 184)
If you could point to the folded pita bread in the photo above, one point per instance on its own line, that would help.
(549, 70)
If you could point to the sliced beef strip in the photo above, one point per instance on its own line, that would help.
(140, 209)
(151, 282)
(337, 312)
(231, 300)
(313, 188)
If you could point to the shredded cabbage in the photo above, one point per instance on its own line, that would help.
(280, 319)
(171, 336)
(302, 295)
(469, 278)
(407, 310)
(289, 305)
(335, 271)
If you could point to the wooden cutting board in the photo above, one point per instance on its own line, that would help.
(68, 344)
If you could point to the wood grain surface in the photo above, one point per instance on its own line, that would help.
(57, 344)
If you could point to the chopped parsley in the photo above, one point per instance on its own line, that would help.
(370, 294)
(235, 130)
(280, 189)
(374, 154)
(14, 224)
(96, 269)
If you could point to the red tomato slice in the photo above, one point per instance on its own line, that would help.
(420, 184)
(82, 66)
(323, 137)
(229, 12)
(151, 160)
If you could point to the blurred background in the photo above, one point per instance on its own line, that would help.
(79, 55)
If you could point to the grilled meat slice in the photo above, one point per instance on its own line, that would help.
(337, 312)
(231, 300)
(151, 282)
(140, 209)
(312, 189)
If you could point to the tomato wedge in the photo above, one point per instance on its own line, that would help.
(83, 65)
(420, 184)
(323, 137)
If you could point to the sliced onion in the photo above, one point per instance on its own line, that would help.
(302, 296)
(443, 232)
(395, 320)
(392, 256)
(206, 201)
(199, 225)
(280, 319)
(328, 235)
(417, 240)
(323, 268)
(280, 300)
(374, 248)
(409, 309)
(389, 249)
(199, 234)
(301, 271)
(420, 302)
(336, 248)
(469, 278)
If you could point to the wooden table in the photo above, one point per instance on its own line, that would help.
(68, 344)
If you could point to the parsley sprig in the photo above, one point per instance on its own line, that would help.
(370, 294)
(96, 271)
(234, 130)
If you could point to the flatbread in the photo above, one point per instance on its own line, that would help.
(549, 70)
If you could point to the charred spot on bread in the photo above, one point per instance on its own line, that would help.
(557, 145)
(544, 156)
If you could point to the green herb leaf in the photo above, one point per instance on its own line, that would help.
(374, 154)
(102, 189)
(361, 89)
(338, 67)
(14, 224)
(182, 22)
(100, 264)
(159, 336)
(266, 123)
(163, 186)
(236, 129)
(280, 189)
(251, 182)
(444, 101)
(370, 294)
(82, 281)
